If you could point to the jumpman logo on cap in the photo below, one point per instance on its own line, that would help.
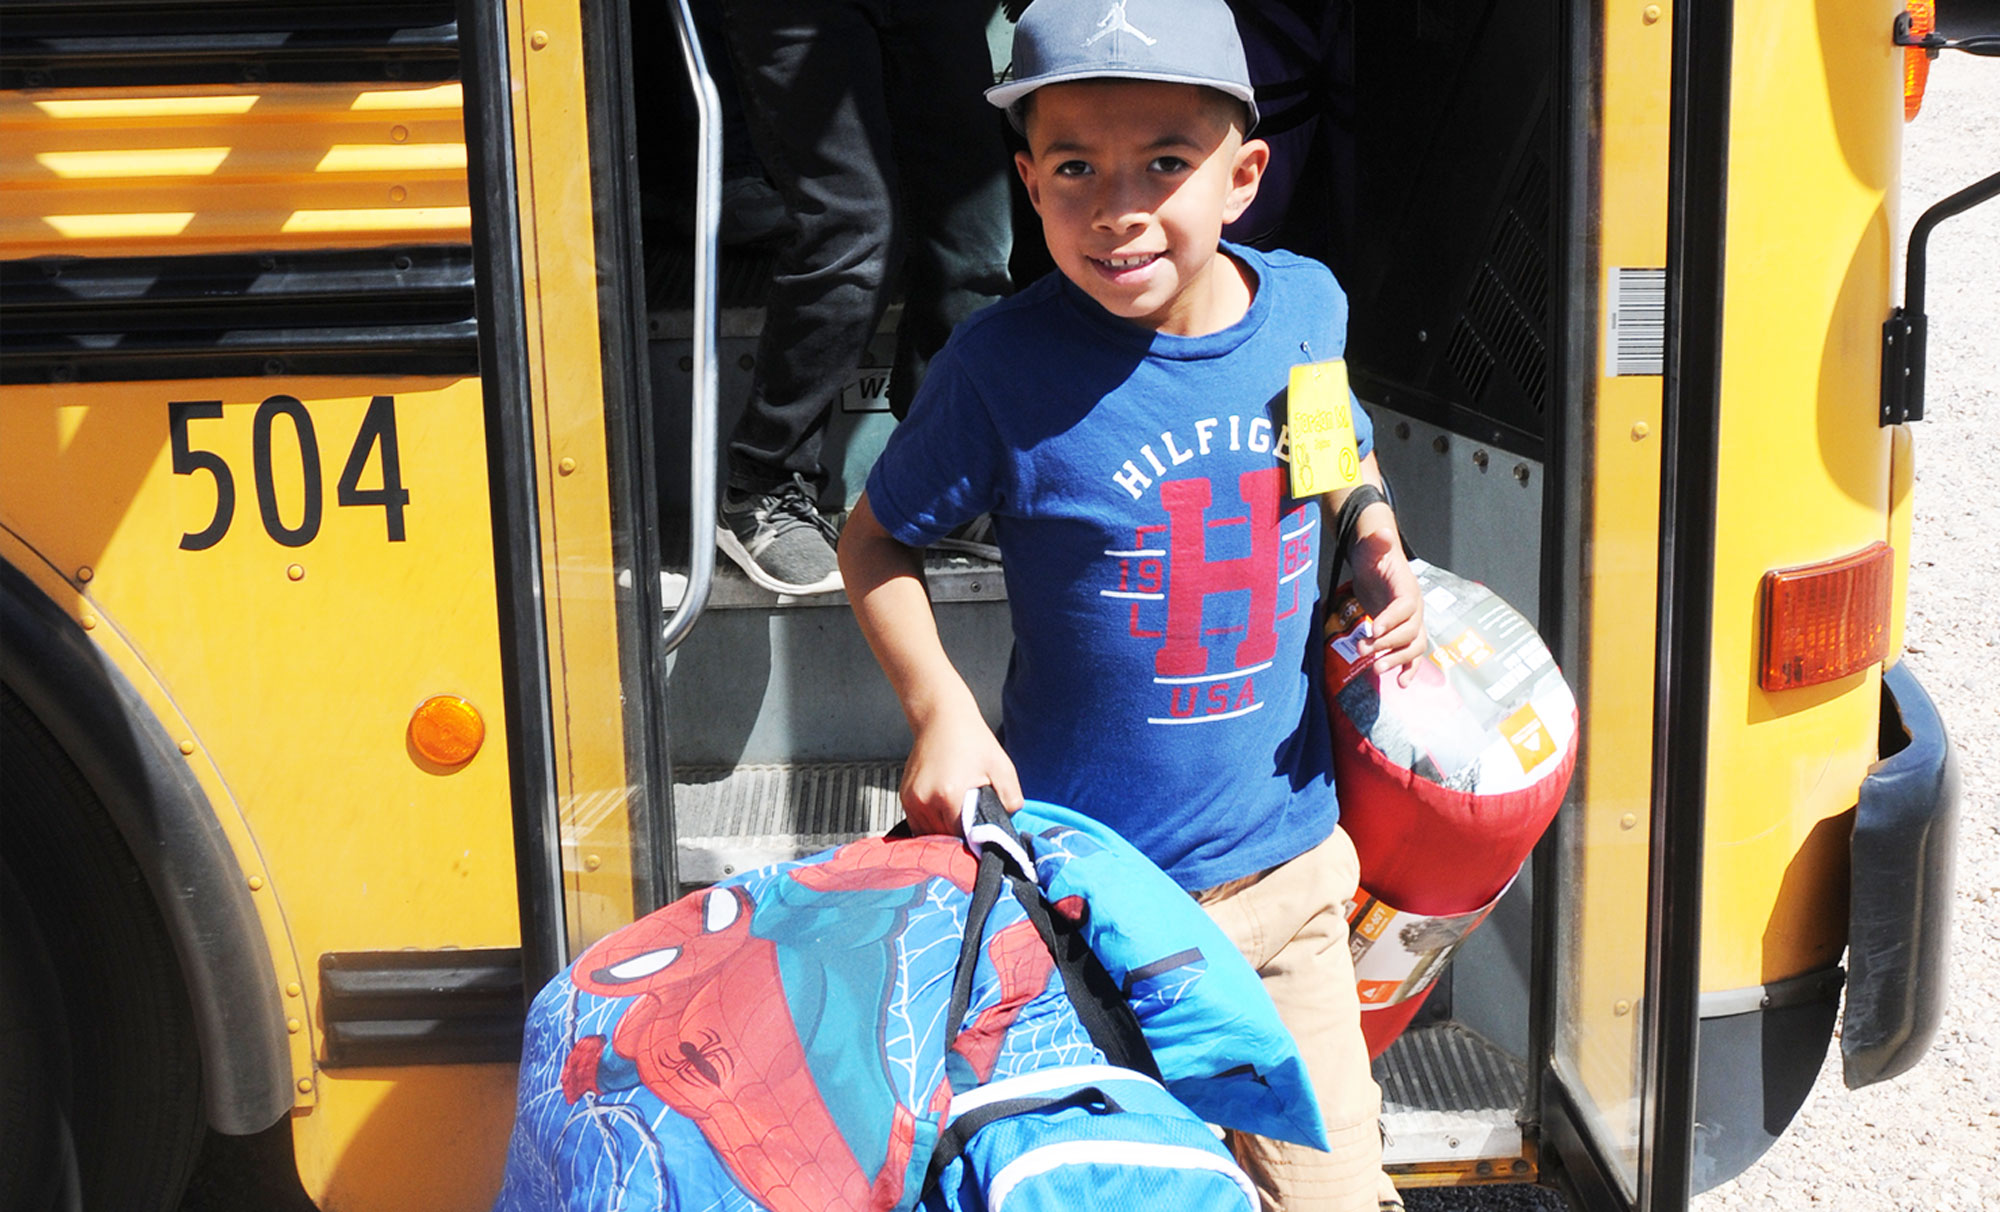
(1115, 22)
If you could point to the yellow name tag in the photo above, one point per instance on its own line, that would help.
(1324, 456)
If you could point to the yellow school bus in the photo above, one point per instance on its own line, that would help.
(365, 654)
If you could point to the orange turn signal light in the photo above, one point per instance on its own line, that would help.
(1917, 59)
(1825, 621)
(447, 730)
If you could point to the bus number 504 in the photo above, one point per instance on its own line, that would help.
(378, 430)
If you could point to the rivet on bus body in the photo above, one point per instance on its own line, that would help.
(305, 1085)
(89, 622)
(397, 193)
(294, 1026)
(1521, 472)
(1480, 458)
(538, 39)
(1484, 1168)
(1639, 431)
(567, 466)
(1440, 444)
(1652, 14)
(85, 573)
(297, 572)
(1628, 821)
(592, 862)
(292, 989)
(399, 134)
(1622, 1007)
(187, 747)
(256, 883)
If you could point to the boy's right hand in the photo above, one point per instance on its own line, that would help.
(954, 752)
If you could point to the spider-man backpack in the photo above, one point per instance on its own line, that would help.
(896, 1020)
(1445, 785)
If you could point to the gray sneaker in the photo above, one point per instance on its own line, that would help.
(778, 538)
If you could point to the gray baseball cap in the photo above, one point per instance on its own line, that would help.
(1176, 41)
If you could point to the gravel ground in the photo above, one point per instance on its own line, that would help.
(1928, 1141)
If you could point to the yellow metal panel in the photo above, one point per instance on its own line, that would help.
(1804, 468)
(432, 1138)
(579, 555)
(206, 170)
(68, 585)
(1902, 499)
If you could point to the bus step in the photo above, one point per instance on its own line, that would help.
(952, 577)
(732, 819)
(1449, 1095)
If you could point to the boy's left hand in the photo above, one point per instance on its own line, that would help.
(1387, 588)
(1385, 583)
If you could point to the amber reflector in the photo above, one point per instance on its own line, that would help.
(1825, 621)
(447, 730)
(1917, 60)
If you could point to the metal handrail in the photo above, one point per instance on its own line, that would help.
(702, 424)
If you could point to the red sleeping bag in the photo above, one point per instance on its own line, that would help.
(1445, 785)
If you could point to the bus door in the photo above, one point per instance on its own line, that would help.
(1508, 264)
(1460, 200)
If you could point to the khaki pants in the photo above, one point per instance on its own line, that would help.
(1290, 922)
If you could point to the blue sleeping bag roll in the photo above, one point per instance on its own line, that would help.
(834, 1032)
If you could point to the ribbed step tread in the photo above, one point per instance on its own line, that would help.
(732, 819)
(1449, 1095)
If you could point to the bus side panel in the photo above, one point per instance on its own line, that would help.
(248, 543)
(1804, 475)
(1804, 471)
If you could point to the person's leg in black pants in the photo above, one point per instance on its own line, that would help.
(869, 117)
(953, 166)
(811, 76)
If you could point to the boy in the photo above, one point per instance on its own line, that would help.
(1122, 421)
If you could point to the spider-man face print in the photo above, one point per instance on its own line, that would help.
(673, 950)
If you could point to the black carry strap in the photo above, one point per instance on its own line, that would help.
(1099, 1003)
(960, 1131)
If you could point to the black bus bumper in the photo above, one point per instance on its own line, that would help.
(1761, 1049)
(1899, 920)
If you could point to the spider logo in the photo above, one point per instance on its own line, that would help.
(701, 1059)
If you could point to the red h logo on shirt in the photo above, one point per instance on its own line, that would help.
(1192, 576)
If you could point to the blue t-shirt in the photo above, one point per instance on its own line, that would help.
(1163, 581)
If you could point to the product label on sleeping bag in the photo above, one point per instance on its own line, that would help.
(1396, 954)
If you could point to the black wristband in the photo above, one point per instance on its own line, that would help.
(1358, 498)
